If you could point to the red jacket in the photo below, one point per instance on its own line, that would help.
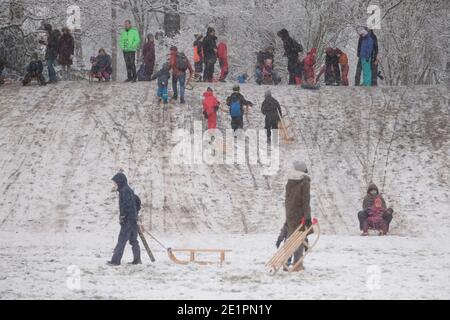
(210, 103)
(308, 64)
(222, 51)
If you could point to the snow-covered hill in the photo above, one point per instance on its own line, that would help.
(60, 145)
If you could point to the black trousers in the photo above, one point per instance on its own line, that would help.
(208, 74)
(237, 123)
(130, 58)
(30, 75)
(271, 124)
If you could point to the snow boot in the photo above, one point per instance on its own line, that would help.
(138, 261)
(364, 234)
(112, 264)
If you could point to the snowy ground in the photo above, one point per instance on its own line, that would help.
(60, 145)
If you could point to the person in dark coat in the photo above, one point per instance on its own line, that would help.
(372, 194)
(374, 57)
(291, 50)
(128, 220)
(51, 52)
(331, 68)
(34, 70)
(236, 102)
(297, 203)
(148, 52)
(272, 110)
(66, 48)
(209, 54)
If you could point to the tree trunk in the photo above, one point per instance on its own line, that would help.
(172, 21)
(114, 39)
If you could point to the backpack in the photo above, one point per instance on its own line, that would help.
(141, 73)
(181, 62)
(235, 110)
(137, 203)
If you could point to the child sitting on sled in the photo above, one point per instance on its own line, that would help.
(375, 218)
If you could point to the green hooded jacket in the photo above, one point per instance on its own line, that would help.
(130, 40)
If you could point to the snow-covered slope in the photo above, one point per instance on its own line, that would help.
(60, 145)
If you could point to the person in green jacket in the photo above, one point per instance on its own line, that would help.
(129, 43)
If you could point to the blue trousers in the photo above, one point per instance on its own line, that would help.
(128, 232)
(51, 69)
(182, 80)
(163, 94)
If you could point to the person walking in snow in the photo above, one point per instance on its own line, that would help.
(198, 57)
(163, 77)
(66, 50)
(291, 50)
(51, 51)
(222, 55)
(179, 64)
(367, 57)
(369, 202)
(272, 111)
(128, 220)
(129, 42)
(210, 108)
(236, 103)
(297, 203)
(209, 54)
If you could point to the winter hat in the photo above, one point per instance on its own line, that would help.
(300, 166)
(173, 48)
(48, 27)
(329, 50)
(236, 88)
(283, 33)
(150, 37)
(209, 30)
(209, 89)
(268, 93)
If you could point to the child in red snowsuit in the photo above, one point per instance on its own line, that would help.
(210, 107)
(222, 55)
(375, 218)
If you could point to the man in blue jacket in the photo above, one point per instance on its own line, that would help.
(128, 221)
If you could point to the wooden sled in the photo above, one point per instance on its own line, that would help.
(192, 256)
(284, 125)
(297, 239)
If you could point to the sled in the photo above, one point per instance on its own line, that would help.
(193, 257)
(309, 86)
(144, 242)
(284, 125)
(298, 238)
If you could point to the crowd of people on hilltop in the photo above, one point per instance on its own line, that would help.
(207, 51)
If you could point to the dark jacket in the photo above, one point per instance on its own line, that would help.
(209, 45)
(163, 76)
(127, 202)
(237, 96)
(149, 54)
(66, 47)
(369, 199)
(375, 45)
(104, 62)
(262, 56)
(35, 67)
(291, 47)
(51, 51)
(297, 201)
(270, 108)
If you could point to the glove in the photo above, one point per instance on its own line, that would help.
(205, 114)
(278, 243)
(121, 220)
(308, 223)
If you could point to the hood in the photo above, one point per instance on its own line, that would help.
(372, 186)
(298, 175)
(208, 94)
(209, 30)
(283, 34)
(120, 179)
(312, 51)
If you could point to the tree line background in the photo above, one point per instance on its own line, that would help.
(413, 39)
